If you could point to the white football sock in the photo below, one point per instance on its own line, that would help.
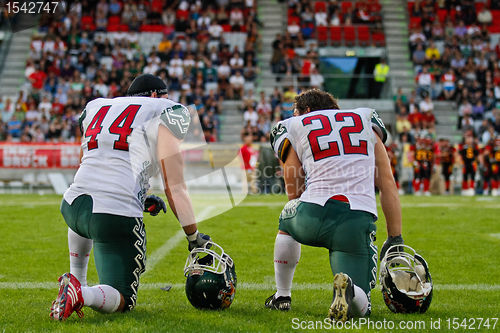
(286, 257)
(102, 298)
(79, 252)
(360, 303)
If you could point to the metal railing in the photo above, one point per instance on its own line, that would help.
(299, 81)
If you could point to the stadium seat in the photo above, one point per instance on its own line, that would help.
(87, 23)
(346, 5)
(322, 35)
(336, 35)
(294, 19)
(375, 7)
(319, 6)
(349, 35)
(442, 14)
(182, 14)
(453, 14)
(151, 28)
(415, 22)
(410, 7)
(363, 35)
(226, 28)
(157, 6)
(479, 6)
(113, 20)
(123, 28)
(495, 13)
(494, 29)
(113, 27)
(378, 38)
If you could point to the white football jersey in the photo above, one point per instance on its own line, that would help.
(336, 149)
(119, 139)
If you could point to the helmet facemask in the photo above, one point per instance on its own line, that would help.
(211, 277)
(405, 279)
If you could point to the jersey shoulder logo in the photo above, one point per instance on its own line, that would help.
(276, 132)
(378, 126)
(176, 119)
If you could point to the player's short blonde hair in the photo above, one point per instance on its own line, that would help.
(314, 100)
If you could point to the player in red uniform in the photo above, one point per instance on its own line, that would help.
(447, 152)
(491, 166)
(392, 152)
(469, 153)
(423, 159)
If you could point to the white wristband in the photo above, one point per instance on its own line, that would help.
(193, 236)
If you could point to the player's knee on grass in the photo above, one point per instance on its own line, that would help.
(120, 262)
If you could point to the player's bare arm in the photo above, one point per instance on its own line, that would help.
(294, 175)
(172, 166)
(172, 171)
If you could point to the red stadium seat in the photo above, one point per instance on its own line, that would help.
(322, 35)
(346, 5)
(226, 28)
(363, 35)
(87, 23)
(113, 27)
(151, 28)
(494, 29)
(378, 38)
(442, 14)
(114, 20)
(336, 35)
(349, 35)
(479, 6)
(320, 6)
(123, 28)
(157, 6)
(496, 16)
(375, 7)
(415, 22)
(294, 19)
(182, 14)
(410, 7)
(453, 14)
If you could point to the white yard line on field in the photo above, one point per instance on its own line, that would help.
(251, 286)
(495, 236)
(172, 242)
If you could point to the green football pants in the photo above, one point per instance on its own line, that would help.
(119, 245)
(347, 234)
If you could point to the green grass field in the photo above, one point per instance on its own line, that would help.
(459, 238)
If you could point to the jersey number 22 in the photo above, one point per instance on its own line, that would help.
(345, 132)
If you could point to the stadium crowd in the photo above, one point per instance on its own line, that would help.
(451, 48)
(93, 49)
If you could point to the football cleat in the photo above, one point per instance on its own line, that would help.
(343, 293)
(282, 303)
(69, 299)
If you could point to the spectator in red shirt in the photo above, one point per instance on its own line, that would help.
(37, 79)
(57, 107)
(247, 152)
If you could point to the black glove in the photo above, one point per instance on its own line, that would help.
(153, 205)
(197, 239)
(391, 240)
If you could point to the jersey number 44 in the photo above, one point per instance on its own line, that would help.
(121, 127)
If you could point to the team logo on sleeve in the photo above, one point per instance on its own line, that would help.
(277, 131)
(177, 119)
